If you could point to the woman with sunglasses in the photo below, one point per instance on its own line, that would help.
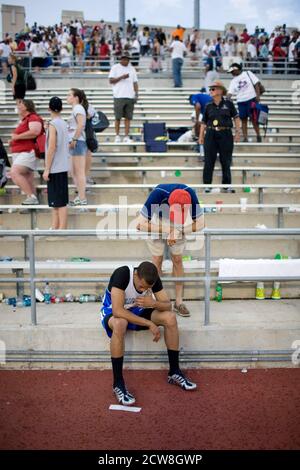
(216, 134)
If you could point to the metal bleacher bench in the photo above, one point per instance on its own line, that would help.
(102, 209)
(19, 268)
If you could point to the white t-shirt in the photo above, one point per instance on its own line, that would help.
(124, 88)
(291, 51)
(65, 56)
(37, 49)
(72, 123)
(242, 86)
(178, 49)
(205, 50)
(251, 49)
(6, 49)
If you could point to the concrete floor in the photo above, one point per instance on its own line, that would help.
(226, 314)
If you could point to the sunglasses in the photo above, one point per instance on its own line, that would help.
(213, 89)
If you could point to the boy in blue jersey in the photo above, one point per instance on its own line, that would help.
(170, 212)
(135, 299)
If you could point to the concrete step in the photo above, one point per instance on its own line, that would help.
(235, 326)
(106, 249)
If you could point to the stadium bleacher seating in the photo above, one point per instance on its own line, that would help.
(270, 169)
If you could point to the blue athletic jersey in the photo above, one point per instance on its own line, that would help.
(157, 202)
(201, 98)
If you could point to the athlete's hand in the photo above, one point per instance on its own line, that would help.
(173, 237)
(155, 331)
(145, 302)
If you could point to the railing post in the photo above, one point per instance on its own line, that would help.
(32, 276)
(207, 279)
(280, 222)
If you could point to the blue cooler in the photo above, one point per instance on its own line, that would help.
(151, 132)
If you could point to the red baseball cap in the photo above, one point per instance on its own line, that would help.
(179, 202)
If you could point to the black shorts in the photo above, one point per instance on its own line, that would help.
(38, 62)
(58, 194)
(146, 313)
(20, 91)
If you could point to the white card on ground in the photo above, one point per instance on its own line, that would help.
(133, 409)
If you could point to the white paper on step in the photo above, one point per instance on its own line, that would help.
(133, 409)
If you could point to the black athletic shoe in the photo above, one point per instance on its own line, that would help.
(123, 396)
(182, 381)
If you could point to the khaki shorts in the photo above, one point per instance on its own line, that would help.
(123, 108)
(157, 247)
(27, 159)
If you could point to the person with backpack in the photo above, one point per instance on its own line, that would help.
(246, 86)
(77, 142)
(17, 78)
(91, 138)
(57, 165)
(23, 145)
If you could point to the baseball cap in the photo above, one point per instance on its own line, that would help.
(234, 66)
(55, 104)
(125, 55)
(179, 201)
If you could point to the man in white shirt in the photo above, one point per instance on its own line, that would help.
(178, 51)
(251, 49)
(245, 85)
(124, 80)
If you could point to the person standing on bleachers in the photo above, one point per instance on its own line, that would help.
(77, 142)
(172, 211)
(217, 126)
(17, 78)
(178, 52)
(23, 147)
(124, 81)
(57, 165)
(245, 85)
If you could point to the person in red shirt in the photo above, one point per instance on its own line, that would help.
(245, 36)
(104, 55)
(23, 145)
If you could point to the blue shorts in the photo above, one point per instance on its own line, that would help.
(141, 312)
(80, 149)
(246, 108)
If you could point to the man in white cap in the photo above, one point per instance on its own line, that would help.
(245, 85)
(124, 80)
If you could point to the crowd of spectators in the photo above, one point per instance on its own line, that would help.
(78, 43)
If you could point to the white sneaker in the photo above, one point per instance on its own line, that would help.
(30, 201)
(127, 140)
(117, 139)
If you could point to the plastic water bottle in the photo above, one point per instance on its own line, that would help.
(219, 293)
(47, 294)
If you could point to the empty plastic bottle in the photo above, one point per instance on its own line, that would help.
(47, 294)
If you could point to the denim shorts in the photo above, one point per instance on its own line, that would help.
(246, 108)
(80, 149)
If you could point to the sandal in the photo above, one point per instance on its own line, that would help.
(182, 310)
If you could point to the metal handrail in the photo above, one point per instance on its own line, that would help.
(124, 234)
(261, 66)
